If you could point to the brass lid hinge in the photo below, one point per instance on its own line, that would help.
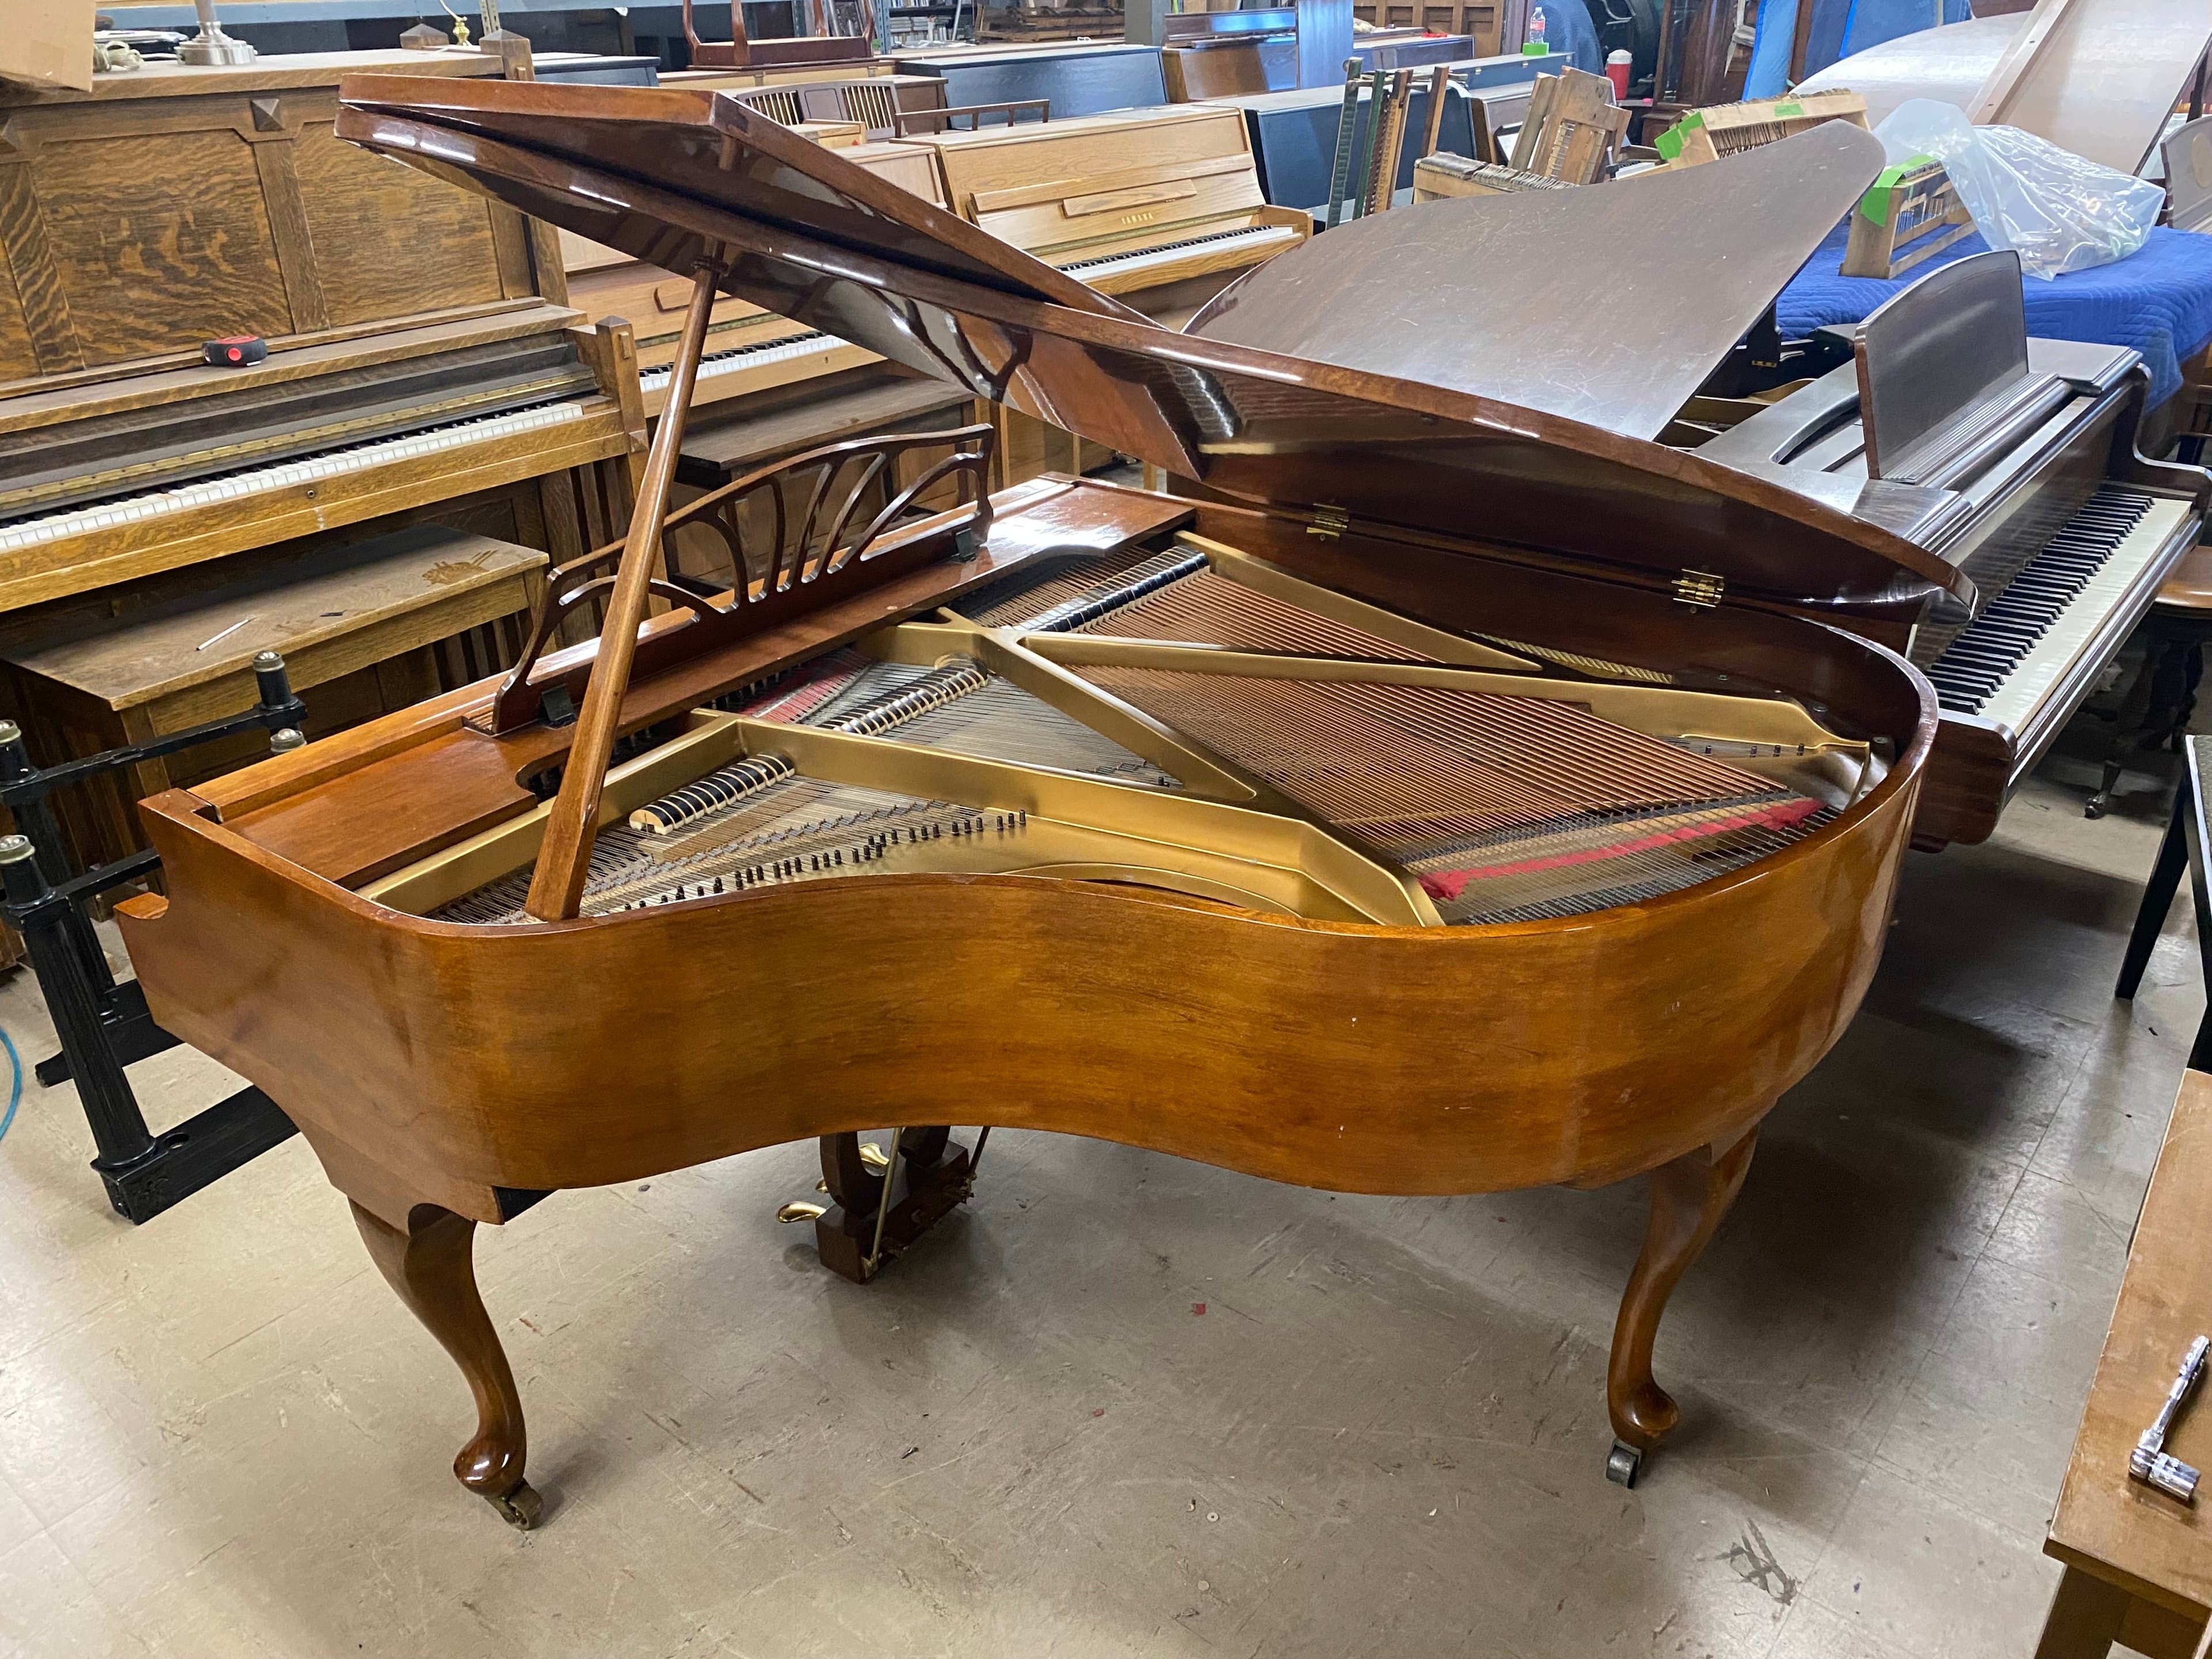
(1700, 588)
(1329, 523)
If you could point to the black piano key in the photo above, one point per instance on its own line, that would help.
(1983, 654)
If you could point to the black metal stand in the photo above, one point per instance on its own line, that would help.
(2182, 848)
(104, 1026)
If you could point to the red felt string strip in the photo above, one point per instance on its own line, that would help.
(1448, 884)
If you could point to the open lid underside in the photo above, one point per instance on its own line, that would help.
(1389, 452)
(702, 144)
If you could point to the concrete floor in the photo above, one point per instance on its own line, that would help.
(1124, 1405)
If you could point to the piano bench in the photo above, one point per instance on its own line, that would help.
(2139, 1563)
(2188, 586)
(365, 628)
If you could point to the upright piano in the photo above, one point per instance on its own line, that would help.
(1402, 766)
(1160, 207)
(422, 363)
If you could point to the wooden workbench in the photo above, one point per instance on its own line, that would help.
(2138, 1563)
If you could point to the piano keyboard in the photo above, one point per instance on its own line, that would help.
(1219, 242)
(744, 358)
(2003, 664)
(154, 504)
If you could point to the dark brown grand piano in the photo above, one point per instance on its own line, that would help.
(1447, 802)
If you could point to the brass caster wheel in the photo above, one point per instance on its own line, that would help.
(2096, 805)
(521, 1507)
(1621, 1467)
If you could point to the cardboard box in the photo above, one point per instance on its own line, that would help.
(47, 43)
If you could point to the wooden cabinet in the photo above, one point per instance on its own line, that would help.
(175, 206)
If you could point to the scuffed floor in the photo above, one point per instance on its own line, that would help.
(1124, 1405)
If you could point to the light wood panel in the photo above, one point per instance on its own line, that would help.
(2149, 1548)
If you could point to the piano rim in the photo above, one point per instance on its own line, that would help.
(1614, 1060)
(451, 1018)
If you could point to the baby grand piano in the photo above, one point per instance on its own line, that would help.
(1448, 802)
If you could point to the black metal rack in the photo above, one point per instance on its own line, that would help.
(104, 1026)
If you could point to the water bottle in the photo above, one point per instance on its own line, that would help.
(1534, 46)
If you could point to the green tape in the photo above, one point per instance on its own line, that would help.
(1875, 203)
(1670, 143)
(1783, 112)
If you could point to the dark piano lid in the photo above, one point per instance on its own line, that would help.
(1609, 304)
(677, 137)
(1391, 454)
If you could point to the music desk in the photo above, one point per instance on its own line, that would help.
(2157, 300)
(2139, 1564)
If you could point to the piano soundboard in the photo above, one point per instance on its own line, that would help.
(1183, 716)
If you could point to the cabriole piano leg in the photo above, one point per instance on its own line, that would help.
(431, 1267)
(1689, 1196)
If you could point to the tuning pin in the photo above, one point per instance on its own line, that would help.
(874, 1155)
(800, 1209)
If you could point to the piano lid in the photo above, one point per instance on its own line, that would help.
(1608, 304)
(707, 145)
(1340, 445)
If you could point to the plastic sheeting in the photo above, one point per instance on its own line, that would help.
(2057, 212)
(1568, 28)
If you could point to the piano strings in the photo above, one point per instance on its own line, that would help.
(1202, 608)
(1505, 807)
(1502, 807)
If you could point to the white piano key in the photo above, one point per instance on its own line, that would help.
(1119, 264)
(746, 358)
(281, 474)
(2056, 651)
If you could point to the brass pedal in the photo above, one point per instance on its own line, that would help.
(801, 1209)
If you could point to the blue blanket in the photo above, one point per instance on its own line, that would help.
(2158, 301)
